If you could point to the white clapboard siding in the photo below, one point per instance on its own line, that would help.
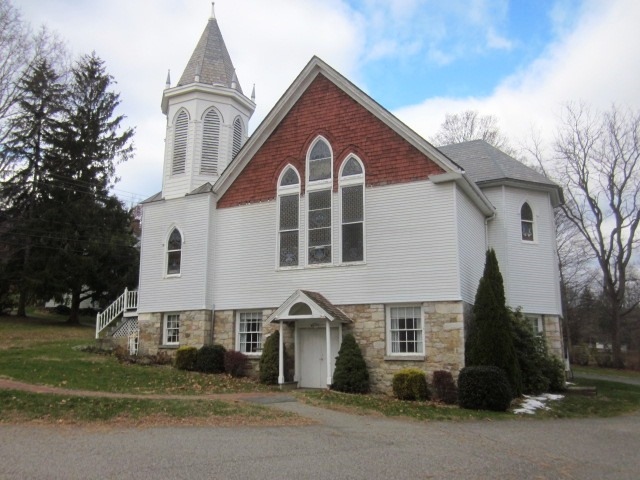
(411, 252)
(471, 244)
(529, 269)
(189, 291)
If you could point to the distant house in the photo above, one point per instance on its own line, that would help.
(332, 217)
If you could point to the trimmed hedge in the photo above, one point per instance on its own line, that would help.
(410, 384)
(484, 388)
(235, 363)
(210, 359)
(186, 358)
(351, 374)
(444, 387)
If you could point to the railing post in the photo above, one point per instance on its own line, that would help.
(126, 298)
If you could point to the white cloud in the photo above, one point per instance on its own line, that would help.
(597, 62)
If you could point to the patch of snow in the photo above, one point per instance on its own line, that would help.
(530, 404)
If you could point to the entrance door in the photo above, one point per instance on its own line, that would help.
(313, 353)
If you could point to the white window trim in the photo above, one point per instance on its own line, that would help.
(534, 224)
(282, 191)
(262, 336)
(350, 181)
(404, 355)
(539, 323)
(165, 331)
(166, 252)
(315, 186)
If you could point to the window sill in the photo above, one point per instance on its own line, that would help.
(324, 265)
(173, 275)
(169, 347)
(404, 358)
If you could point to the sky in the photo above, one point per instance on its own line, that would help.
(519, 60)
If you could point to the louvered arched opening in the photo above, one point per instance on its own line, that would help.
(181, 128)
(210, 143)
(238, 131)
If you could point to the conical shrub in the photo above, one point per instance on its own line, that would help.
(351, 374)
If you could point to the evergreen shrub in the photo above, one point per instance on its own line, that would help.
(210, 359)
(490, 339)
(410, 384)
(186, 358)
(269, 359)
(484, 387)
(351, 374)
(235, 363)
(553, 369)
(444, 387)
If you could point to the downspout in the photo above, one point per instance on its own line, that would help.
(486, 231)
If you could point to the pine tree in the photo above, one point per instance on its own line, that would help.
(29, 160)
(351, 374)
(490, 339)
(97, 255)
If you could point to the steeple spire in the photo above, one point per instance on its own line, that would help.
(210, 61)
(213, 11)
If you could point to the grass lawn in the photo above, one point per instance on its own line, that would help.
(613, 399)
(39, 350)
(613, 372)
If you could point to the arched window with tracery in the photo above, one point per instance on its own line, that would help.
(526, 221)
(319, 202)
(352, 210)
(288, 218)
(174, 252)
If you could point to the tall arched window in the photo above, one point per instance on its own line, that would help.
(319, 202)
(180, 132)
(526, 220)
(352, 210)
(288, 217)
(210, 143)
(238, 133)
(174, 252)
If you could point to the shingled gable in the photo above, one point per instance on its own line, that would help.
(421, 159)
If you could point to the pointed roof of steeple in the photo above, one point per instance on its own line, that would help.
(210, 60)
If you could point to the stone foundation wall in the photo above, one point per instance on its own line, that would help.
(553, 334)
(195, 331)
(443, 340)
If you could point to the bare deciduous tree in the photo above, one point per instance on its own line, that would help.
(20, 48)
(470, 125)
(597, 162)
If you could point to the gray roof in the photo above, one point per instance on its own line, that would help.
(327, 306)
(484, 163)
(210, 60)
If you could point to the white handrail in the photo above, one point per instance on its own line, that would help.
(127, 301)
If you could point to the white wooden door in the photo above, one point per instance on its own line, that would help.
(313, 356)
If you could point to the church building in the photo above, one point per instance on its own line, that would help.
(333, 217)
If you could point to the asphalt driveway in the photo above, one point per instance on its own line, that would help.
(339, 446)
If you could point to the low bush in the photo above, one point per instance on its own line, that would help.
(186, 358)
(444, 387)
(210, 359)
(553, 369)
(410, 384)
(484, 388)
(235, 363)
(351, 374)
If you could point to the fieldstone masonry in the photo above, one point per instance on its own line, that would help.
(444, 327)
